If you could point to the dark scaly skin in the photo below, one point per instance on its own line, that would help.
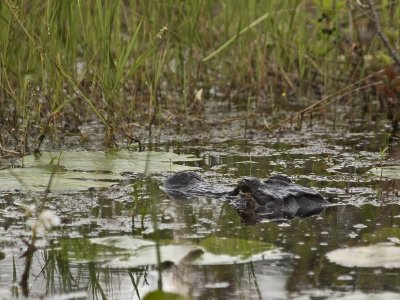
(254, 200)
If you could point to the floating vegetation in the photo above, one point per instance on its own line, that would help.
(390, 172)
(79, 170)
(210, 251)
(306, 88)
(372, 256)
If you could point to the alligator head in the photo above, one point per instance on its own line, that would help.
(254, 200)
(274, 198)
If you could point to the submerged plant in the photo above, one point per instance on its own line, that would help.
(45, 221)
(39, 221)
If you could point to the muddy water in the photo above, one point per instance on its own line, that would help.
(106, 246)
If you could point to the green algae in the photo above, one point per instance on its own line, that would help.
(78, 170)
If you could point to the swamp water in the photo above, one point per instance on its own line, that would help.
(111, 203)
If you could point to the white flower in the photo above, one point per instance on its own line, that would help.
(49, 219)
(29, 210)
(46, 220)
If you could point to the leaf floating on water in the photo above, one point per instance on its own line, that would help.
(367, 257)
(157, 295)
(233, 251)
(392, 172)
(234, 247)
(147, 256)
(383, 235)
(65, 296)
(78, 170)
(37, 179)
(122, 242)
(357, 295)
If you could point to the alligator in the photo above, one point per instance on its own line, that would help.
(275, 198)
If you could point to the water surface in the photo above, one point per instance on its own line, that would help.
(111, 206)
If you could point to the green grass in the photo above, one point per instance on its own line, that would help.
(124, 61)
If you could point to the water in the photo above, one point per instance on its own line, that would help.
(105, 247)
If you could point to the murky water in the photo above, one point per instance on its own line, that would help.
(106, 246)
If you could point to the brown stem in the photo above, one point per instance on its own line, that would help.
(24, 283)
(356, 86)
(383, 37)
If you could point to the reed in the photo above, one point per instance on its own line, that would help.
(128, 61)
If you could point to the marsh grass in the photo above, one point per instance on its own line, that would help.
(121, 62)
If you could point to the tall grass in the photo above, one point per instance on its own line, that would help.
(124, 61)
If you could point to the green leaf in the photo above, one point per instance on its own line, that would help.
(382, 235)
(160, 295)
(234, 247)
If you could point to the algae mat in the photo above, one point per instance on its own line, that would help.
(78, 170)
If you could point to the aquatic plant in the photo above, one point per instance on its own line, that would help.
(64, 63)
(45, 221)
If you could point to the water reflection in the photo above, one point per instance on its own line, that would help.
(77, 264)
(366, 212)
